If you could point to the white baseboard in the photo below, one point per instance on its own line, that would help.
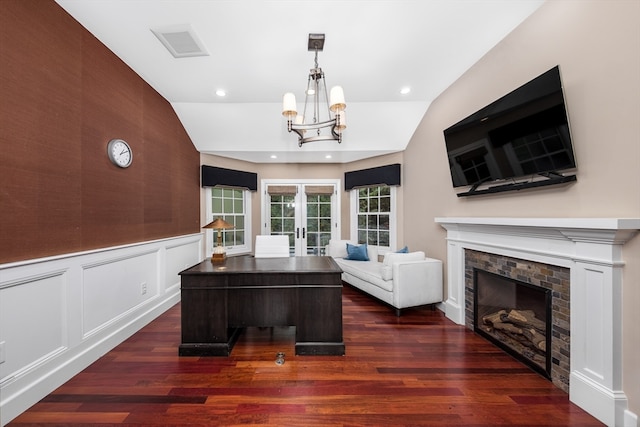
(630, 419)
(608, 406)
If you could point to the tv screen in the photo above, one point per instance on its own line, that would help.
(523, 134)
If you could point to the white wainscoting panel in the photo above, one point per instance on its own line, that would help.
(113, 288)
(60, 314)
(178, 258)
(33, 322)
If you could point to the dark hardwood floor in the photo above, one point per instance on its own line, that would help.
(419, 369)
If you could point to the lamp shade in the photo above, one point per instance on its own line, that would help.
(336, 99)
(289, 105)
(218, 223)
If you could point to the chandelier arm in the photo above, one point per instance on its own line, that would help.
(300, 136)
(315, 139)
(335, 134)
(313, 126)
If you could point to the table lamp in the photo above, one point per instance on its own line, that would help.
(219, 253)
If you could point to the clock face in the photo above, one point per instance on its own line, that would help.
(120, 153)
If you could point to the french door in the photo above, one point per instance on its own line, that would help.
(305, 211)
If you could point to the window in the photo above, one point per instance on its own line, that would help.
(232, 205)
(375, 216)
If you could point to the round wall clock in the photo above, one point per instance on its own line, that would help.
(120, 153)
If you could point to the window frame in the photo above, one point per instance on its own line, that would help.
(210, 234)
(353, 217)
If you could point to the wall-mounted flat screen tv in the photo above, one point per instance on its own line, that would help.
(523, 134)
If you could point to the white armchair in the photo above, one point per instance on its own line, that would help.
(276, 246)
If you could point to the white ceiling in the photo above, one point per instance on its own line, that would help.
(257, 51)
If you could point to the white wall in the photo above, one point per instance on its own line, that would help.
(597, 46)
(60, 314)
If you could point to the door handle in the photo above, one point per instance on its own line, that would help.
(303, 232)
(298, 233)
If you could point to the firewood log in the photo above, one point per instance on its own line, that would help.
(507, 327)
(494, 317)
(526, 319)
(538, 340)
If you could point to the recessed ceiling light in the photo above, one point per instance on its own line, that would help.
(273, 156)
(328, 156)
(221, 92)
(405, 90)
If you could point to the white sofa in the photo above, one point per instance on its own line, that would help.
(401, 280)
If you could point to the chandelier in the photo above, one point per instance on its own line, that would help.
(321, 125)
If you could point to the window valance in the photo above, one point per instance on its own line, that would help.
(382, 175)
(213, 176)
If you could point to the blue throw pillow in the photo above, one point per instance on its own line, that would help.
(404, 250)
(357, 253)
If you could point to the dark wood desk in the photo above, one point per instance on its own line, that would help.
(219, 300)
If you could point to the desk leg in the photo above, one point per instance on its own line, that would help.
(204, 323)
(319, 324)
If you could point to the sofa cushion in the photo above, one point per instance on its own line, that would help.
(372, 253)
(367, 271)
(338, 248)
(391, 257)
(357, 253)
(404, 250)
(386, 271)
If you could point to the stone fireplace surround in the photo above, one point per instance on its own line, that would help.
(544, 276)
(591, 248)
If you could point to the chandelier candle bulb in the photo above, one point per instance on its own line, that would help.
(341, 121)
(336, 98)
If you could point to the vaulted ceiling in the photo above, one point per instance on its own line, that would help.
(256, 50)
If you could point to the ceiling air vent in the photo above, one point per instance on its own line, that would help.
(181, 41)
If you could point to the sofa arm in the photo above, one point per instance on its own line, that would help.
(417, 282)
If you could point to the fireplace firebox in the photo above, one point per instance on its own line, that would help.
(516, 316)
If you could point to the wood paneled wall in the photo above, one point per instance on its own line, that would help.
(63, 96)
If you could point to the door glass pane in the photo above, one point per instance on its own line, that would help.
(318, 232)
(325, 225)
(282, 209)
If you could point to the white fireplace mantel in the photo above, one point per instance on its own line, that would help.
(592, 249)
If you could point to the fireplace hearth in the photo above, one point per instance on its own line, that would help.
(515, 316)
